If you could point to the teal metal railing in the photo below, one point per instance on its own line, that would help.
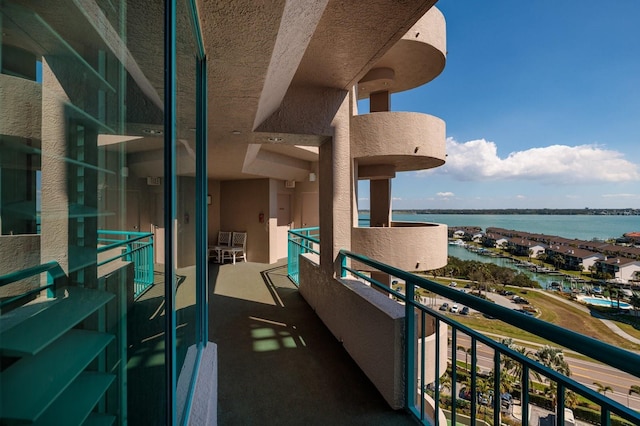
(54, 275)
(420, 317)
(136, 247)
(304, 240)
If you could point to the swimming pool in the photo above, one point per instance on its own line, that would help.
(604, 302)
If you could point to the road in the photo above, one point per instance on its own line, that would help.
(584, 372)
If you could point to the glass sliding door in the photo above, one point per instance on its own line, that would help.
(82, 300)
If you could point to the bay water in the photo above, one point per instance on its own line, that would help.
(583, 227)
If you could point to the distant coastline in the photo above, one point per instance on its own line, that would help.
(585, 211)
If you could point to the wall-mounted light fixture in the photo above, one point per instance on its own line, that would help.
(209, 199)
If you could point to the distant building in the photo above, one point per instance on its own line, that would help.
(620, 269)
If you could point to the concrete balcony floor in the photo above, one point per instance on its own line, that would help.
(278, 363)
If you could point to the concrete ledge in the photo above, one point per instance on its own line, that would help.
(369, 325)
(204, 406)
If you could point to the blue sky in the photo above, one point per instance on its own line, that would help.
(542, 105)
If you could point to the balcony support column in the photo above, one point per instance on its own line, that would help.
(380, 202)
(336, 190)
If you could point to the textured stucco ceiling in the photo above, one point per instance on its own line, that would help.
(263, 54)
(276, 68)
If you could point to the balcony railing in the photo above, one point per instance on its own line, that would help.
(427, 401)
(305, 240)
(54, 275)
(135, 247)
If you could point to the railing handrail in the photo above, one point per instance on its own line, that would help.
(123, 254)
(300, 241)
(113, 232)
(54, 273)
(53, 268)
(299, 233)
(141, 254)
(138, 236)
(618, 358)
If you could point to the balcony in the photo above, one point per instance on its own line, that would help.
(487, 387)
(278, 363)
(405, 245)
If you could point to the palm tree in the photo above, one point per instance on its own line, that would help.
(483, 387)
(506, 380)
(467, 352)
(571, 399)
(552, 358)
(633, 389)
(510, 365)
(603, 389)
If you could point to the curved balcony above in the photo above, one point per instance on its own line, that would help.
(417, 58)
(406, 141)
(410, 246)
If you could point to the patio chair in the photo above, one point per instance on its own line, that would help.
(237, 248)
(224, 241)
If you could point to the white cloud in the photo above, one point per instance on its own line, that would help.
(520, 197)
(396, 199)
(445, 194)
(558, 164)
(363, 199)
(620, 196)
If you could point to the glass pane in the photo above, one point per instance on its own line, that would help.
(81, 163)
(186, 184)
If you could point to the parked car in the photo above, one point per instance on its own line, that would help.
(520, 300)
(444, 306)
(465, 310)
(506, 293)
(453, 284)
(454, 309)
(465, 394)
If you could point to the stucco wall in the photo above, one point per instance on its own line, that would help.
(369, 325)
(241, 202)
(19, 252)
(302, 188)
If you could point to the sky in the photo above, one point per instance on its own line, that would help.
(541, 101)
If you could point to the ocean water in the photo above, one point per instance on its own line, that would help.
(582, 227)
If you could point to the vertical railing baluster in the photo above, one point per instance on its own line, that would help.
(423, 385)
(524, 395)
(474, 398)
(560, 403)
(605, 417)
(410, 341)
(454, 373)
(437, 369)
(497, 393)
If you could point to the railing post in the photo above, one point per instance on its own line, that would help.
(497, 396)
(454, 373)
(474, 383)
(560, 404)
(524, 395)
(410, 345)
(343, 265)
